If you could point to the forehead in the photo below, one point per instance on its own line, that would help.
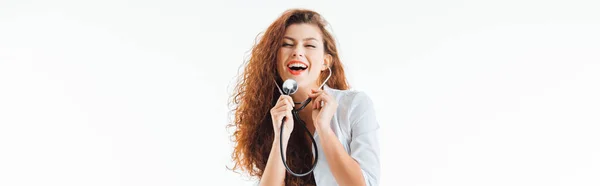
(303, 31)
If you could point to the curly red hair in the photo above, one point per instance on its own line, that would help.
(255, 94)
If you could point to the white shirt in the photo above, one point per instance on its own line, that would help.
(357, 129)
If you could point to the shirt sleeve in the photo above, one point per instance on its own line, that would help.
(364, 146)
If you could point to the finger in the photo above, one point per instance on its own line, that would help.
(291, 102)
(288, 100)
(289, 107)
(315, 94)
(281, 107)
(281, 98)
(286, 107)
(281, 104)
(317, 102)
(279, 110)
(323, 99)
(288, 115)
(279, 114)
(278, 103)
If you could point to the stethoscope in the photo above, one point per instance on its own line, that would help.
(290, 87)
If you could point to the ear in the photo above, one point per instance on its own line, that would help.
(327, 62)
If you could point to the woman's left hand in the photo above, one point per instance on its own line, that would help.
(322, 114)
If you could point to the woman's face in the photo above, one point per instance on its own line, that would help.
(302, 55)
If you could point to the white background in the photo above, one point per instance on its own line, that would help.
(136, 92)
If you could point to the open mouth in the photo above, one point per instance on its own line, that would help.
(296, 68)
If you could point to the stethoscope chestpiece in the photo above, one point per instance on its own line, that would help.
(290, 87)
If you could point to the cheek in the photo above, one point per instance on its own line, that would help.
(317, 61)
(280, 59)
(282, 55)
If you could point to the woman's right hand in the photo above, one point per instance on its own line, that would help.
(283, 108)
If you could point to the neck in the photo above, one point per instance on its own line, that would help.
(302, 94)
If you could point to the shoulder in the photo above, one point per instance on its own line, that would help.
(353, 102)
(349, 97)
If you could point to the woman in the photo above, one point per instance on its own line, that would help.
(297, 46)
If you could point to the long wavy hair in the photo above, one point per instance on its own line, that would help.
(256, 93)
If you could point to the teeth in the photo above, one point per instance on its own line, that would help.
(297, 65)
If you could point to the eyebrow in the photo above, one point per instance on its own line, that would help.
(305, 39)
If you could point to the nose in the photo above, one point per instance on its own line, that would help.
(298, 52)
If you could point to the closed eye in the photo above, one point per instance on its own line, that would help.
(286, 44)
(313, 46)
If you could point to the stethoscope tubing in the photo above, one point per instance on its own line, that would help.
(297, 118)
